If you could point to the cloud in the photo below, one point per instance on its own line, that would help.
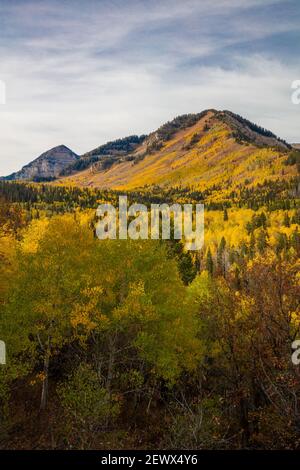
(82, 74)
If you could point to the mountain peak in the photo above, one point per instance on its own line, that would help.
(249, 132)
(201, 140)
(60, 148)
(214, 148)
(47, 166)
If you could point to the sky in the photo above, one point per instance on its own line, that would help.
(82, 73)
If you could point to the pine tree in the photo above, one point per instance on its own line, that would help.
(295, 241)
(209, 263)
(286, 220)
(282, 243)
(262, 242)
(252, 246)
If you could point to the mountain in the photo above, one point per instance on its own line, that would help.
(211, 149)
(107, 153)
(47, 166)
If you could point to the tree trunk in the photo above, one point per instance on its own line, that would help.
(244, 422)
(44, 396)
(111, 363)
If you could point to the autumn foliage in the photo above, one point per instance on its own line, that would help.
(141, 344)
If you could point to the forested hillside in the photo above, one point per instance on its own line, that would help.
(215, 151)
(142, 344)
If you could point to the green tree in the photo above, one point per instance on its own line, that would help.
(286, 220)
(87, 404)
(262, 241)
(209, 262)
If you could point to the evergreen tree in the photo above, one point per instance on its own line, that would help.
(262, 242)
(209, 262)
(252, 246)
(286, 220)
(295, 241)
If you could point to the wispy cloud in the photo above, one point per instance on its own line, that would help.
(82, 73)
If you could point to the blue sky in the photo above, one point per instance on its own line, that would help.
(81, 73)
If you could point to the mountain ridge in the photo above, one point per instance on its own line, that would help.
(155, 139)
(209, 149)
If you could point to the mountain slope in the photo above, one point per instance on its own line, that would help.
(47, 166)
(211, 149)
(105, 155)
